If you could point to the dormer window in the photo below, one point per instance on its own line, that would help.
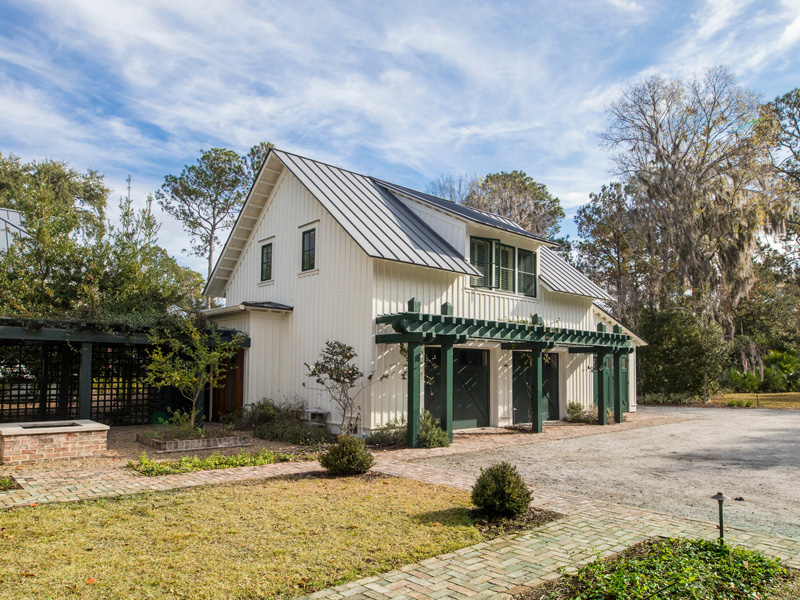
(502, 267)
(527, 272)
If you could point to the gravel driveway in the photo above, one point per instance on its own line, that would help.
(753, 454)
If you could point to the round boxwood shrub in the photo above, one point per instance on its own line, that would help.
(500, 490)
(347, 456)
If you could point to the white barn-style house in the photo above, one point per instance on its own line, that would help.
(452, 309)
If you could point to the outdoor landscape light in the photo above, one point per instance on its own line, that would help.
(720, 498)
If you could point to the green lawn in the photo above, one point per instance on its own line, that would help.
(277, 537)
(786, 401)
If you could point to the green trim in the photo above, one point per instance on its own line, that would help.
(79, 336)
(266, 262)
(309, 250)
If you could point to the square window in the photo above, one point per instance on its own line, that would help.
(266, 262)
(309, 249)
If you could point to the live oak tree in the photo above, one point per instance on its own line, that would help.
(703, 189)
(455, 188)
(518, 197)
(783, 114)
(71, 263)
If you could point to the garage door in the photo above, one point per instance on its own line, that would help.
(522, 367)
(471, 381)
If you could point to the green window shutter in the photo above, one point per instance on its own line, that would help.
(266, 262)
(527, 272)
(309, 249)
(479, 258)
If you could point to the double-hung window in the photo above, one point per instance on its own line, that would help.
(309, 250)
(266, 262)
(527, 272)
(505, 268)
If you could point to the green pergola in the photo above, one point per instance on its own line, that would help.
(417, 329)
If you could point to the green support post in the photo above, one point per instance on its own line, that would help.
(447, 385)
(85, 381)
(536, 391)
(617, 388)
(602, 419)
(413, 377)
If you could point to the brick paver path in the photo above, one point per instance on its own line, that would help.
(510, 565)
(39, 488)
(497, 569)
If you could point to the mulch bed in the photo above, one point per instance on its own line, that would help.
(493, 526)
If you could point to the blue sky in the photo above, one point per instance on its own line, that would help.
(401, 90)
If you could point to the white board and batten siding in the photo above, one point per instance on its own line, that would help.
(396, 283)
(341, 298)
(331, 302)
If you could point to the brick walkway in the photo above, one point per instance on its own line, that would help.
(498, 569)
(511, 565)
(40, 488)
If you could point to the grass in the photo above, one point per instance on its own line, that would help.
(189, 464)
(672, 569)
(789, 400)
(273, 538)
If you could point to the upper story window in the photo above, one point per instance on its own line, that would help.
(503, 267)
(481, 257)
(505, 271)
(309, 250)
(266, 262)
(527, 272)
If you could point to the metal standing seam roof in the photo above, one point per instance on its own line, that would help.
(378, 222)
(384, 227)
(466, 212)
(560, 276)
(10, 225)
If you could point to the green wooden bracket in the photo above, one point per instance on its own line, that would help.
(447, 309)
(414, 306)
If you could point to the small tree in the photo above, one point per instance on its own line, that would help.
(337, 375)
(190, 358)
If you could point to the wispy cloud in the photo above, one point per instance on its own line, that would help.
(404, 92)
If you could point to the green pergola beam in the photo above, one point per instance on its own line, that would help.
(78, 336)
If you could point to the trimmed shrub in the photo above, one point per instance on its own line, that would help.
(500, 490)
(282, 423)
(576, 413)
(431, 434)
(394, 433)
(347, 456)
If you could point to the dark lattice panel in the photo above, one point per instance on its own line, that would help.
(38, 382)
(120, 393)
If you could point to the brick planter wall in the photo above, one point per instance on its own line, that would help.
(33, 442)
